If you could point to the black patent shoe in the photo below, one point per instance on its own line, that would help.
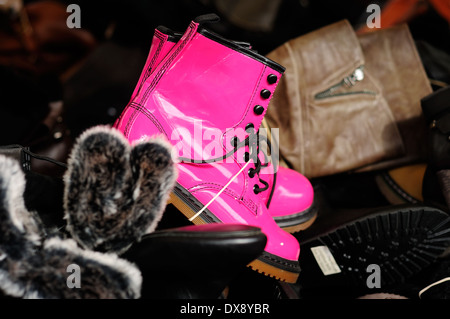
(375, 253)
(195, 261)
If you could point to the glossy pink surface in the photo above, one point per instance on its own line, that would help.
(158, 49)
(203, 93)
(293, 192)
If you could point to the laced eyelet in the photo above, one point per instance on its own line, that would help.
(265, 94)
(249, 126)
(258, 109)
(272, 78)
(234, 141)
(252, 154)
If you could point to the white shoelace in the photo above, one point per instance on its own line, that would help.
(220, 192)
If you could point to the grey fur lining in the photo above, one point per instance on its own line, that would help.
(35, 267)
(116, 192)
(12, 186)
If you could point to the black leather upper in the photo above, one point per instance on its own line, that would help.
(196, 261)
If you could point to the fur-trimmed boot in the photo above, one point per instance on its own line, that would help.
(116, 192)
(33, 266)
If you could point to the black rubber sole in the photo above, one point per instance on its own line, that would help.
(401, 241)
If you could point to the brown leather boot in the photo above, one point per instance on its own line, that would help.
(392, 58)
(349, 102)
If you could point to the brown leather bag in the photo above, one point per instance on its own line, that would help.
(335, 108)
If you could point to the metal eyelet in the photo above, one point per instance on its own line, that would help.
(234, 141)
(265, 94)
(249, 126)
(272, 79)
(258, 109)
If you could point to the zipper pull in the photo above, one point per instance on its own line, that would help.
(348, 81)
(356, 76)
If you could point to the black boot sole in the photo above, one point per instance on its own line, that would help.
(401, 241)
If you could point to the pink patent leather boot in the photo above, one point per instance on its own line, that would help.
(201, 95)
(289, 196)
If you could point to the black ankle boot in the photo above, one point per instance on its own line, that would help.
(436, 186)
(195, 261)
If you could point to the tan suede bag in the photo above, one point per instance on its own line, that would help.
(349, 103)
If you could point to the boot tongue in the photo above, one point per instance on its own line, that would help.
(166, 30)
(207, 18)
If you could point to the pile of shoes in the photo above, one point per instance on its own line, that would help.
(118, 179)
(245, 148)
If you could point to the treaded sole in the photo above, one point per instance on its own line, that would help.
(402, 241)
(271, 271)
(188, 206)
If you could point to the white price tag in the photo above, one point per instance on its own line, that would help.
(325, 260)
